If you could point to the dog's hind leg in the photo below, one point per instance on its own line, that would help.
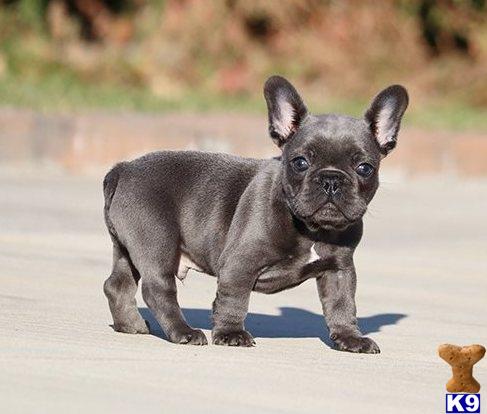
(160, 293)
(120, 289)
(156, 255)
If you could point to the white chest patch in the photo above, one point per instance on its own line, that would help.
(313, 256)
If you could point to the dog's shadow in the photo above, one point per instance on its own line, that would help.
(290, 323)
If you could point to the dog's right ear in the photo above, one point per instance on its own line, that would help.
(285, 108)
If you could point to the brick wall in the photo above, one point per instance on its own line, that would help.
(88, 141)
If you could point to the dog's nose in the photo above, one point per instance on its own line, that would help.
(331, 184)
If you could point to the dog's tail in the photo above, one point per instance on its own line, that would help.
(110, 184)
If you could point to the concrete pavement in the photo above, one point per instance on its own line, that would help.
(422, 282)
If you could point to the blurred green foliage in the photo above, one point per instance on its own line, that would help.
(65, 55)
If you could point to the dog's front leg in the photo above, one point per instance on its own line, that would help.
(230, 307)
(337, 294)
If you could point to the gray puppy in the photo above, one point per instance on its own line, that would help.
(257, 225)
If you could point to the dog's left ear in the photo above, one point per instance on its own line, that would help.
(385, 114)
(285, 108)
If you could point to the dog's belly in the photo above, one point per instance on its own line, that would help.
(274, 278)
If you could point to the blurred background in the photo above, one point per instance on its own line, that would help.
(153, 55)
(189, 74)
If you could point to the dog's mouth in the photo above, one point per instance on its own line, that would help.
(328, 217)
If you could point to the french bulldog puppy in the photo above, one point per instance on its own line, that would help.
(257, 225)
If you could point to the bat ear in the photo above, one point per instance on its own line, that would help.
(285, 108)
(384, 116)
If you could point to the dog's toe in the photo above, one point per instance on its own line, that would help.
(237, 338)
(356, 344)
(192, 337)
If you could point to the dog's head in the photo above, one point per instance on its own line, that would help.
(331, 162)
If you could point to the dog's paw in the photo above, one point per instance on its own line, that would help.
(355, 343)
(189, 337)
(236, 338)
(136, 327)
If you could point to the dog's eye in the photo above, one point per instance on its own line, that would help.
(300, 164)
(365, 170)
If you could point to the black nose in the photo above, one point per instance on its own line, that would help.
(332, 184)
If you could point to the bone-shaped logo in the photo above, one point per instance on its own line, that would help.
(462, 360)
